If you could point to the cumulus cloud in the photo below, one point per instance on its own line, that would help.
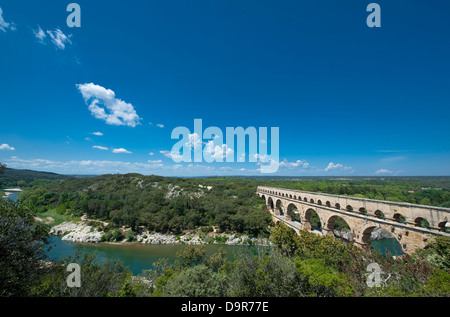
(172, 155)
(298, 163)
(331, 166)
(218, 152)
(195, 141)
(104, 148)
(383, 171)
(104, 105)
(97, 133)
(6, 147)
(120, 151)
(4, 26)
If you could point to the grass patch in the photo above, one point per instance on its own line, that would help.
(58, 218)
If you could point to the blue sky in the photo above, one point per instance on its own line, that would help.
(347, 99)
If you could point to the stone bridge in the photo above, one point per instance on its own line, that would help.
(404, 221)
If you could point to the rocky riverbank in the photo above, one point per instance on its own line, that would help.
(229, 239)
(76, 232)
(81, 232)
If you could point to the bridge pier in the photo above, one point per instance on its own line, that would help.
(327, 232)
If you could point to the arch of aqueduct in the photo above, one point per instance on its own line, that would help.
(363, 215)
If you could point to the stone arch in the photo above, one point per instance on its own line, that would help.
(279, 207)
(328, 204)
(305, 199)
(295, 197)
(337, 206)
(293, 212)
(338, 227)
(270, 203)
(311, 201)
(312, 220)
(442, 226)
(263, 197)
(399, 218)
(379, 214)
(366, 239)
(319, 202)
(349, 208)
(421, 222)
(363, 210)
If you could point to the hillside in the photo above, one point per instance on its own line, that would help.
(24, 178)
(156, 203)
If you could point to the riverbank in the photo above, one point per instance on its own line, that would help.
(82, 232)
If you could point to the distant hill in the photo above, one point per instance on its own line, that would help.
(24, 178)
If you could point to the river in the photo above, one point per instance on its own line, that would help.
(136, 256)
(12, 195)
(140, 257)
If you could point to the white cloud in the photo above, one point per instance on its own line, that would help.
(195, 141)
(103, 100)
(6, 147)
(151, 153)
(121, 150)
(97, 133)
(173, 156)
(159, 125)
(154, 161)
(332, 166)
(39, 34)
(6, 25)
(298, 163)
(217, 151)
(104, 148)
(261, 158)
(383, 171)
(59, 39)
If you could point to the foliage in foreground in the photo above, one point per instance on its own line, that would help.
(297, 265)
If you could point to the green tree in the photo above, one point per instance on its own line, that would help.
(263, 275)
(98, 278)
(197, 281)
(192, 255)
(318, 279)
(22, 248)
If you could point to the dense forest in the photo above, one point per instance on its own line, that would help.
(156, 203)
